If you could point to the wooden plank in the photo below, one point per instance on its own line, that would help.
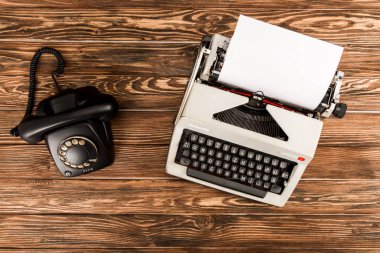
(35, 162)
(153, 24)
(179, 197)
(140, 127)
(158, 93)
(183, 4)
(114, 231)
(148, 59)
(236, 249)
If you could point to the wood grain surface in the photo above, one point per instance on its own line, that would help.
(176, 196)
(152, 24)
(246, 249)
(155, 230)
(195, 4)
(150, 59)
(141, 51)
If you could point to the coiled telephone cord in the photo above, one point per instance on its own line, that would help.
(33, 80)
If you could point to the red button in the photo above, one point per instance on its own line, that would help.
(301, 159)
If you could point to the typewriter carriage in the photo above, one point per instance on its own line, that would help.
(215, 51)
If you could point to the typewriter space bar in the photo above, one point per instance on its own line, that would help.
(225, 183)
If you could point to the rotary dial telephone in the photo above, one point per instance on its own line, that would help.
(75, 123)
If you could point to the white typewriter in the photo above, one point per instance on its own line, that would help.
(244, 143)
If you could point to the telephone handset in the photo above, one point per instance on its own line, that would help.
(75, 123)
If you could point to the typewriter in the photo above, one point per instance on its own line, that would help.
(240, 142)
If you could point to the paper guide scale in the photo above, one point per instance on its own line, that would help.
(264, 91)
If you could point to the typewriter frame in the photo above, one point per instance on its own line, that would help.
(201, 100)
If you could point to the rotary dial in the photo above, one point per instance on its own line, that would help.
(77, 152)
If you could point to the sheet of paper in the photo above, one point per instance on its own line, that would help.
(285, 65)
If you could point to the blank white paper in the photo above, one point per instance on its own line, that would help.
(284, 65)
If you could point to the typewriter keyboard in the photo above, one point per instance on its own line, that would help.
(232, 166)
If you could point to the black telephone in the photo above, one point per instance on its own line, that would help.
(75, 123)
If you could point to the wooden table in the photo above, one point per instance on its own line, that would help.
(141, 52)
